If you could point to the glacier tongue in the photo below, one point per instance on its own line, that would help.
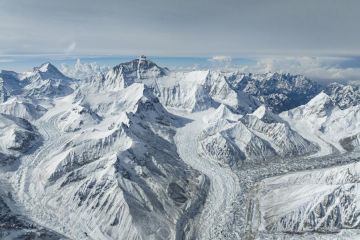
(13, 225)
(216, 212)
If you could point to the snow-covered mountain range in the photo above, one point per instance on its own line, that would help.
(137, 151)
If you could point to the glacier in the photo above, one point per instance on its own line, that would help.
(139, 151)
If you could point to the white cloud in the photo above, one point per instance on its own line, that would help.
(70, 48)
(5, 60)
(317, 68)
(83, 70)
(220, 59)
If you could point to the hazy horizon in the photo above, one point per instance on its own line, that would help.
(180, 28)
(319, 39)
(323, 68)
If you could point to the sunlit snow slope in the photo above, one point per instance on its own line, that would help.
(137, 151)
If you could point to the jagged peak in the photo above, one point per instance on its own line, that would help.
(320, 105)
(138, 93)
(223, 112)
(343, 95)
(265, 114)
(279, 76)
(125, 74)
(141, 63)
(322, 97)
(335, 84)
(47, 70)
(46, 67)
(337, 87)
(260, 112)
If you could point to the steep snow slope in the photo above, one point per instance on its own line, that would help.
(78, 117)
(232, 138)
(22, 108)
(284, 140)
(324, 200)
(137, 71)
(106, 160)
(17, 136)
(43, 82)
(9, 85)
(231, 142)
(322, 121)
(200, 90)
(187, 91)
(119, 178)
(191, 91)
(222, 112)
(46, 81)
(280, 92)
(343, 95)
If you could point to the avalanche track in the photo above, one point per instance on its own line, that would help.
(224, 184)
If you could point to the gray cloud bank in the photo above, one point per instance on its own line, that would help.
(180, 27)
(325, 69)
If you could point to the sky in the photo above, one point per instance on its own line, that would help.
(270, 34)
(180, 27)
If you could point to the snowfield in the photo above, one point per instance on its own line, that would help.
(137, 151)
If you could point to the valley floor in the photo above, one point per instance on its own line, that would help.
(101, 157)
(224, 186)
(231, 209)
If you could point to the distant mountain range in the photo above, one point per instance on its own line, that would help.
(141, 152)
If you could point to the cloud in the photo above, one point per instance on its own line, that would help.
(181, 28)
(5, 60)
(325, 69)
(220, 59)
(70, 48)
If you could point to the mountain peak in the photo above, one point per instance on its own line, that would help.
(143, 67)
(265, 114)
(223, 112)
(321, 97)
(46, 67)
(321, 105)
(47, 71)
(140, 70)
(344, 96)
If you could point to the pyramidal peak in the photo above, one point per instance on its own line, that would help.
(143, 68)
(46, 67)
(46, 71)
